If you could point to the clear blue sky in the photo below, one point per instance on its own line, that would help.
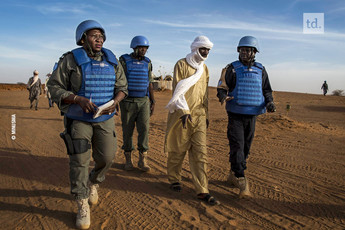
(34, 34)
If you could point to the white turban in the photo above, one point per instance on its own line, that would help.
(201, 41)
(35, 77)
(194, 59)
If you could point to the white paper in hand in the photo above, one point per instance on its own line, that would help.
(102, 107)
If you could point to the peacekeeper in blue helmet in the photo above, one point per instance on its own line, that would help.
(137, 108)
(84, 79)
(246, 89)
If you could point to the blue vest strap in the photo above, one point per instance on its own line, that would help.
(126, 57)
(110, 56)
(259, 65)
(236, 64)
(80, 56)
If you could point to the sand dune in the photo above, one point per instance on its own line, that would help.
(296, 171)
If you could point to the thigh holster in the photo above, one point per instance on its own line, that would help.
(74, 146)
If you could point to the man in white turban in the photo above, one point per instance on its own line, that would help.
(188, 120)
(35, 89)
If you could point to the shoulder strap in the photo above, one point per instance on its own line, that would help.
(110, 56)
(259, 65)
(80, 56)
(237, 64)
(126, 57)
(147, 59)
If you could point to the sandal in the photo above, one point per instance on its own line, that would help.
(208, 199)
(176, 187)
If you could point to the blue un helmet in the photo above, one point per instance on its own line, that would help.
(139, 41)
(84, 27)
(249, 41)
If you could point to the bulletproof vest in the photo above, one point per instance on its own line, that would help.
(137, 76)
(98, 83)
(248, 96)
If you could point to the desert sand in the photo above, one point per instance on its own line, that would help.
(296, 171)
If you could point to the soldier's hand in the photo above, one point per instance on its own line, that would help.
(185, 118)
(152, 107)
(271, 107)
(225, 99)
(117, 107)
(87, 105)
(109, 110)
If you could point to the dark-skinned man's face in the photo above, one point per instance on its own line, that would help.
(204, 52)
(246, 53)
(141, 50)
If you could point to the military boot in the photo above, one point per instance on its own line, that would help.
(93, 197)
(128, 164)
(244, 187)
(142, 163)
(83, 216)
(233, 180)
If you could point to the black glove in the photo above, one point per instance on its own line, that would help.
(225, 99)
(271, 107)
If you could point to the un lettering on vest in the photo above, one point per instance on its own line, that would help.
(136, 65)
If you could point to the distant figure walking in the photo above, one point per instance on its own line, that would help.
(324, 87)
(35, 89)
(51, 103)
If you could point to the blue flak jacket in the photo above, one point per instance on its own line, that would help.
(248, 95)
(137, 76)
(98, 83)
